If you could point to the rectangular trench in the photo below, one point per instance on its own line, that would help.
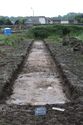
(39, 82)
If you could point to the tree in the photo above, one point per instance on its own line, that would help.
(7, 22)
(2, 20)
(17, 22)
(79, 18)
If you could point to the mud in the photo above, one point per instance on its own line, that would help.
(39, 82)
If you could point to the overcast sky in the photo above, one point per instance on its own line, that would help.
(48, 8)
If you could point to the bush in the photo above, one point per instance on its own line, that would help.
(66, 31)
(40, 32)
(44, 31)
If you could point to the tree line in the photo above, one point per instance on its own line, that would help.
(11, 20)
(71, 16)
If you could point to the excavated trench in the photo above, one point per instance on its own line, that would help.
(39, 83)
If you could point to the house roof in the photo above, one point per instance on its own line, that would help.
(33, 19)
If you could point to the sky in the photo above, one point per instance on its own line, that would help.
(48, 8)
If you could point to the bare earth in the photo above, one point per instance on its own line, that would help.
(39, 82)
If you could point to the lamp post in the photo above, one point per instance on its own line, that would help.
(32, 10)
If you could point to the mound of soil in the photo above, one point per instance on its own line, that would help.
(10, 59)
(76, 44)
(71, 64)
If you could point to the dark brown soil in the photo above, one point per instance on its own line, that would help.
(71, 64)
(11, 59)
(25, 115)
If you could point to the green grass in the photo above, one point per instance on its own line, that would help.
(53, 33)
(54, 39)
(13, 39)
(2, 37)
(80, 36)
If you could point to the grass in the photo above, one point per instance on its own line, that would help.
(8, 40)
(2, 37)
(13, 39)
(53, 33)
(54, 39)
(80, 36)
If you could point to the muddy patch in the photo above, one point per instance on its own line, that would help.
(39, 82)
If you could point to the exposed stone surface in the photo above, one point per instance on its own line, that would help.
(39, 82)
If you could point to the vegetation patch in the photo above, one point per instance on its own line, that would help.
(14, 39)
(52, 31)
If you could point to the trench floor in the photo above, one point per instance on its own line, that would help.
(39, 82)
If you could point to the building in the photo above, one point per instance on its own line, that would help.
(36, 20)
(56, 21)
(64, 21)
(50, 21)
(73, 21)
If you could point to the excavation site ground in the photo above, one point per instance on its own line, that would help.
(37, 75)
